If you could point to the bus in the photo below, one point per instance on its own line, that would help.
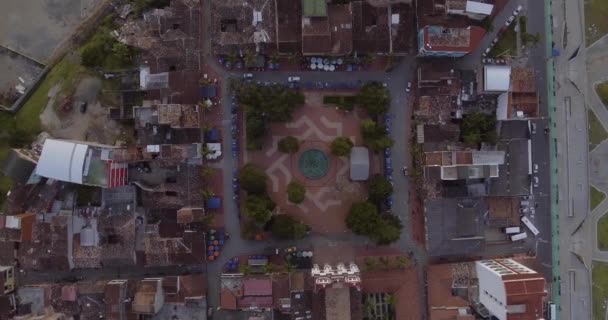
(530, 226)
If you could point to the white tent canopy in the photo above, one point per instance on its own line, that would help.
(62, 160)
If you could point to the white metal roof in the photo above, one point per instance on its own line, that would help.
(497, 78)
(359, 164)
(502, 107)
(479, 7)
(62, 160)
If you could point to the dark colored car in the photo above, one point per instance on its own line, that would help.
(83, 107)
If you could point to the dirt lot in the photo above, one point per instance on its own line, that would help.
(329, 198)
(91, 125)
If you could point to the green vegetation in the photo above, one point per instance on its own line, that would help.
(346, 103)
(595, 197)
(506, 45)
(341, 146)
(374, 98)
(259, 208)
(253, 179)
(375, 136)
(597, 132)
(379, 188)
(602, 92)
(296, 192)
(602, 232)
(289, 145)
(600, 289)
(103, 50)
(364, 219)
(477, 128)
(263, 105)
(139, 6)
(285, 227)
(596, 24)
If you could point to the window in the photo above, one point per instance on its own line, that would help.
(175, 26)
(229, 25)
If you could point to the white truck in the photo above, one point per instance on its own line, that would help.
(530, 226)
(512, 230)
(519, 236)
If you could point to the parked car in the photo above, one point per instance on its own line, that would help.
(409, 86)
(83, 107)
(517, 10)
(535, 168)
(511, 18)
(535, 182)
(533, 128)
(248, 76)
(293, 79)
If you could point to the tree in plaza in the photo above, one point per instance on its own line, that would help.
(289, 145)
(363, 218)
(386, 233)
(375, 136)
(341, 146)
(374, 98)
(285, 227)
(295, 192)
(379, 188)
(259, 208)
(253, 179)
(478, 127)
(275, 103)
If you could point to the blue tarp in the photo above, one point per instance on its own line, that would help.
(214, 203)
(213, 135)
(208, 91)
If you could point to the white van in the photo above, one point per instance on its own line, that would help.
(293, 79)
(512, 230)
(519, 236)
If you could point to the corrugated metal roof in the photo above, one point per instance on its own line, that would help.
(62, 160)
(479, 7)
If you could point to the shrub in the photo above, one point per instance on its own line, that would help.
(286, 227)
(341, 146)
(259, 208)
(289, 145)
(295, 192)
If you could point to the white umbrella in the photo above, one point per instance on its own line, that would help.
(332, 68)
(313, 66)
(313, 60)
(326, 68)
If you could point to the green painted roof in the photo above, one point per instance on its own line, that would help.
(314, 8)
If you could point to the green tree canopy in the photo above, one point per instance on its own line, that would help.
(295, 192)
(477, 128)
(259, 208)
(341, 146)
(374, 98)
(275, 103)
(363, 218)
(379, 188)
(253, 179)
(285, 227)
(375, 136)
(289, 145)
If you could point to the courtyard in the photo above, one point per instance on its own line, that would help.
(329, 190)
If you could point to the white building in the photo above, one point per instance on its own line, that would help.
(510, 290)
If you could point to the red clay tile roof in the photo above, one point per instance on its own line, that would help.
(441, 303)
(468, 42)
(260, 302)
(257, 287)
(227, 299)
(69, 293)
